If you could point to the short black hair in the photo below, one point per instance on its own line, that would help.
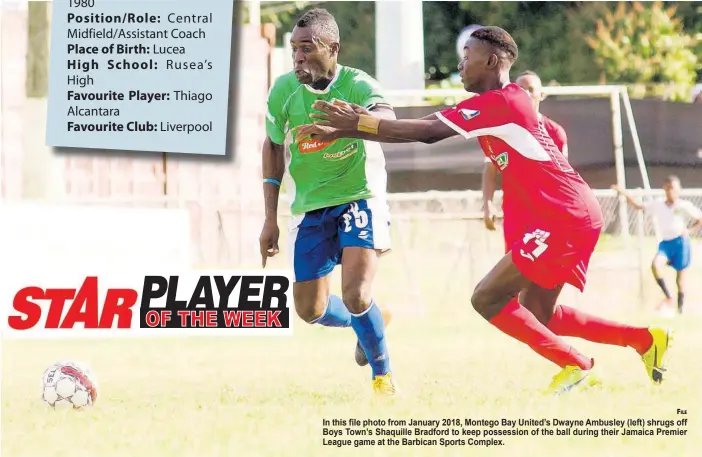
(498, 38)
(322, 22)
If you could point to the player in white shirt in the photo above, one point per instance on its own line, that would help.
(672, 215)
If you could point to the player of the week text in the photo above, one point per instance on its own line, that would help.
(250, 311)
(217, 301)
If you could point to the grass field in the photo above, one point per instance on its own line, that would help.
(257, 397)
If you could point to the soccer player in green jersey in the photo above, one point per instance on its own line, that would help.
(340, 213)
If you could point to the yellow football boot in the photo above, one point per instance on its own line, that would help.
(570, 378)
(654, 358)
(385, 386)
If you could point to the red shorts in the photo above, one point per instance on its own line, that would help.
(513, 230)
(550, 256)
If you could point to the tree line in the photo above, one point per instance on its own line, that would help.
(656, 46)
(646, 43)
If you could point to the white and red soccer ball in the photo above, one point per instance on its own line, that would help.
(68, 385)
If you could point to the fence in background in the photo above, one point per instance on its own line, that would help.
(441, 247)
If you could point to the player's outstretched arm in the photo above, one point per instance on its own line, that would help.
(323, 131)
(380, 111)
(273, 168)
(343, 117)
(629, 199)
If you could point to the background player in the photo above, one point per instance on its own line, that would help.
(564, 217)
(338, 193)
(531, 82)
(672, 215)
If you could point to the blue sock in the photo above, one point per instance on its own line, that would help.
(370, 329)
(335, 314)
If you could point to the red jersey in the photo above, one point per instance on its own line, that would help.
(536, 176)
(557, 134)
(554, 130)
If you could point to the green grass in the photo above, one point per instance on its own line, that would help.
(255, 397)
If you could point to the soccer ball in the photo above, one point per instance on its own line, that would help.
(68, 385)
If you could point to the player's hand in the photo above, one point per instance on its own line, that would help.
(315, 131)
(340, 115)
(269, 240)
(322, 131)
(616, 188)
(359, 109)
(489, 218)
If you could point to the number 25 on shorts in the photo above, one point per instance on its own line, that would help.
(534, 244)
(359, 217)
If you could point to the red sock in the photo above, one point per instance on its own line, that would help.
(567, 321)
(519, 323)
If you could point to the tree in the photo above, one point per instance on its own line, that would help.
(691, 15)
(279, 13)
(646, 44)
(549, 36)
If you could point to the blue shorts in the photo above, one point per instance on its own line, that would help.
(677, 251)
(317, 238)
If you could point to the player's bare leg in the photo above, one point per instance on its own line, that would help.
(541, 302)
(312, 299)
(316, 305)
(358, 269)
(680, 282)
(495, 298)
(650, 343)
(656, 266)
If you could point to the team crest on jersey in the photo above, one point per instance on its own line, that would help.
(469, 114)
(502, 161)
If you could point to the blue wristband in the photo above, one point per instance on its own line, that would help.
(272, 181)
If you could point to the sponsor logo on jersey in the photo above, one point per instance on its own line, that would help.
(344, 154)
(310, 146)
(469, 114)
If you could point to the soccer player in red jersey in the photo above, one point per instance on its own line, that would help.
(511, 227)
(562, 217)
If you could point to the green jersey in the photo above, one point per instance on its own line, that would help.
(320, 175)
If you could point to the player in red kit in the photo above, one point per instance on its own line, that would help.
(512, 228)
(562, 218)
